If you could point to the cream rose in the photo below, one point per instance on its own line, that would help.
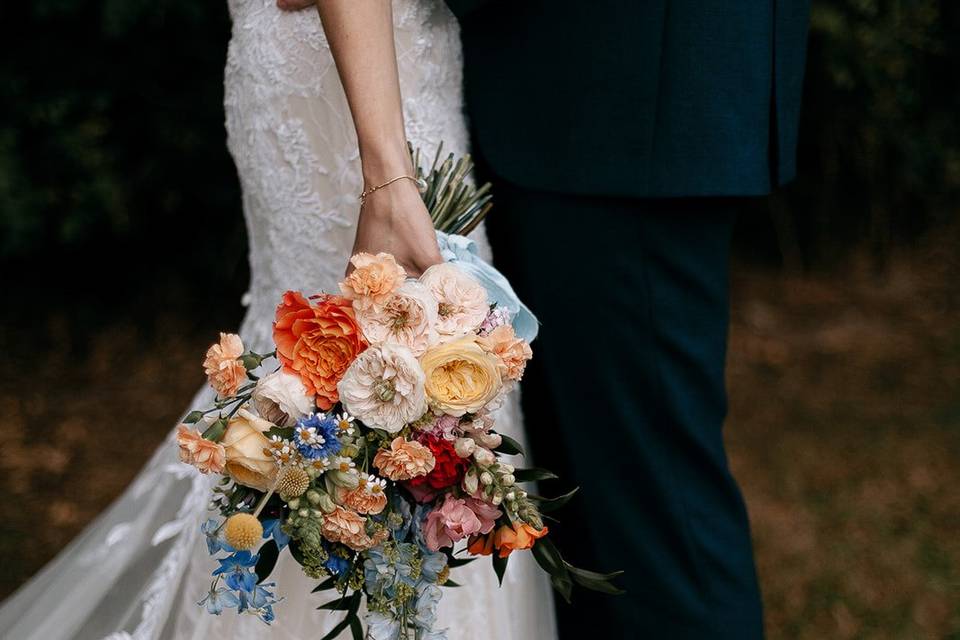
(460, 376)
(409, 318)
(281, 398)
(384, 388)
(244, 443)
(463, 304)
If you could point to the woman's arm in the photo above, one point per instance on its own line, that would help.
(393, 219)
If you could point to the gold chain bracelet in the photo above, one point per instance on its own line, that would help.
(421, 185)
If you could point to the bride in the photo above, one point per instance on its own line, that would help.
(293, 84)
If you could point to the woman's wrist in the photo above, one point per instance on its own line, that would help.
(382, 161)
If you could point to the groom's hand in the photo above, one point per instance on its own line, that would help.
(296, 5)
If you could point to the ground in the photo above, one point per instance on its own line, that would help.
(844, 432)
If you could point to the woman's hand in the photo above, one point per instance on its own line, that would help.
(394, 220)
(296, 5)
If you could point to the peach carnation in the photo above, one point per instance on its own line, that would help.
(373, 280)
(513, 352)
(318, 342)
(348, 527)
(368, 497)
(224, 370)
(206, 455)
(404, 460)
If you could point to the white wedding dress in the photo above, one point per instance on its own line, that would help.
(138, 570)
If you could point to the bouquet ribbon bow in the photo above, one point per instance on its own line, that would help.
(463, 252)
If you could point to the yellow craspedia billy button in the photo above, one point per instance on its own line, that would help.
(243, 531)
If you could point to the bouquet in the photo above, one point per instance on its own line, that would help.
(366, 445)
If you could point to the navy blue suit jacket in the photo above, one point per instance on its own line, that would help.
(645, 98)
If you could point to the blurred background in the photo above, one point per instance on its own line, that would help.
(122, 251)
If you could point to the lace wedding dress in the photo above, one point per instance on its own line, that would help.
(139, 569)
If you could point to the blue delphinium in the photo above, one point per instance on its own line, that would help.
(425, 609)
(336, 565)
(237, 570)
(431, 565)
(214, 537)
(259, 601)
(218, 599)
(316, 436)
(271, 528)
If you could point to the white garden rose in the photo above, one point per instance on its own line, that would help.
(383, 388)
(281, 398)
(463, 304)
(408, 318)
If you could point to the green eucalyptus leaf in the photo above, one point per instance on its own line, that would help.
(548, 557)
(533, 474)
(509, 446)
(595, 581)
(268, 555)
(546, 505)
(499, 566)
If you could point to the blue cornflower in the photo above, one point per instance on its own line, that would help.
(217, 599)
(316, 436)
(214, 536)
(272, 528)
(238, 572)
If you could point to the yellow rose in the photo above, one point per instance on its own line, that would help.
(461, 376)
(244, 443)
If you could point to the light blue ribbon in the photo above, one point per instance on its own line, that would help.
(462, 251)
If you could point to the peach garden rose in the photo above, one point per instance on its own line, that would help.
(249, 461)
(460, 376)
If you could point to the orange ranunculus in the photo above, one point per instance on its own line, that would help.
(317, 342)
(481, 545)
(518, 537)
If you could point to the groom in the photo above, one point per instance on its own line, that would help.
(622, 137)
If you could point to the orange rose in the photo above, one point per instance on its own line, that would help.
(518, 537)
(317, 342)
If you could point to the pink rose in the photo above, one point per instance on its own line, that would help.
(456, 519)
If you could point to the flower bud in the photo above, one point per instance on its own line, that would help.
(508, 468)
(511, 496)
(508, 480)
(304, 512)
(464, 447)
(471, 482)
(313, 497)
(484, 457)
(345, 479)
(497, 498)
(294, 504)
(326, 503)
(486, 478)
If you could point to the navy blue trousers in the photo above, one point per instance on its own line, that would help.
(625, 398)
